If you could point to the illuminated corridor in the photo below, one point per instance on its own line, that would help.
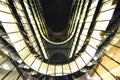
(59, 39)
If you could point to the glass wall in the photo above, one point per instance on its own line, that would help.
(95, 46)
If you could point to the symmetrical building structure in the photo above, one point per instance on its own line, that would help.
(87, 49)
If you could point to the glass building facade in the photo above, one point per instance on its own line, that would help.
(88, 49)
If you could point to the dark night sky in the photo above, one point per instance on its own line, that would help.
(56, 13)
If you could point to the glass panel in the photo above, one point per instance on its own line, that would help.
(9, 27)
(58, 70)
(101, 25)
(29, 60)
(87, 25)
(23, 53)
(89, 18)
(43, 68)
(91, 51)
(95, 43)
(36, 64)
(104, 74)
(19, 45)
(7, 17)
(4, 7)
(15, 37)
(102, 15)
(51, 70)
(85, 31)
(66, 69)
(13, 75)
(94, 3)
(86, 58)
(80, 62)
(98, 35)
(73, 67)
(108, 5)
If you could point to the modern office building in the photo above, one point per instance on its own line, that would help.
(59, 39)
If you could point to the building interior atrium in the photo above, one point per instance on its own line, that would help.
(59, 39)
